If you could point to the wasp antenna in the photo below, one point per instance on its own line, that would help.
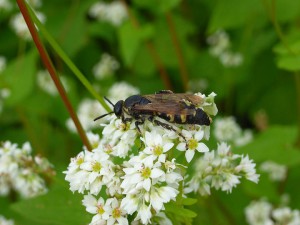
(99, 117)
(109, 101)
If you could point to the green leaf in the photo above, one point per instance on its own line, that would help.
(234, 13)
(58, 207)
(189, 201)
(290, 63)
(276, 144)
(157, 6)
(130, 39)
(180, 213)
(20, 76)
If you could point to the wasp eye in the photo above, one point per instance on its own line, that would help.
(118, 108)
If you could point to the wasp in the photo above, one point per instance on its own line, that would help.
(177, 108)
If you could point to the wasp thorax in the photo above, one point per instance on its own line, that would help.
(118, 108)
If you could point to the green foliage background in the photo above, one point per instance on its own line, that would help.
(268, 37)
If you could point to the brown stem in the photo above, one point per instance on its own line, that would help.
(48, 64)
(153, 52)
(179, 54)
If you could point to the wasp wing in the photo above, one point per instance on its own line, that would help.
(175, 98)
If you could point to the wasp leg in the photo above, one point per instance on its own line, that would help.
(167, 126)
(137, 123)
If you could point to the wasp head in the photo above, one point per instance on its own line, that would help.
(118, 108)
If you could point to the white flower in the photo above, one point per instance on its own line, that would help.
(220, 47)
(19, 26)
(226, 129)
(117, 213)
(114, 13)
(208, 105)
(192, 143)
(230, 59)
(287, 216)
(156, 146)
(258, 213)
(45, 82)
(140, 174)
(219, 42)
(221, 170)
(3, 220)
(96, 207)
(106, 67)
(21, 172)
(276, 171)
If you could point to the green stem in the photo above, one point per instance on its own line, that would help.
(68, 61)
(178, 50)
(49, 65)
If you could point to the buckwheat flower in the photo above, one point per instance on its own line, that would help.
(226, 129)
(21, 172)
(45, 82)
(220, 169)
(258, 213)
(106, 67)
(20, 28)
(3, 220)
(117, 214)
(230, 59)
(156, 146)
(192, 143)
(114, 13)
(244, 139)
(98, 168)
(96, 207)
(140, 172)
(287, 216)
(122, 90)
(277, 172)
(209, 105)
(219, 42)
(2, 58)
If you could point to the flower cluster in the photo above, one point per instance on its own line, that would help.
(89, 109)
(227, 129)
(114, 13)
(21, 172)
(221, 169)
(277, 172)
(220, 47)
(130, 175)
(264, 213)
(4, 221)
(105, 67)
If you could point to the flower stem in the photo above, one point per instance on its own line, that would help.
(153, 53)
(179, 54)
(49, 65)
